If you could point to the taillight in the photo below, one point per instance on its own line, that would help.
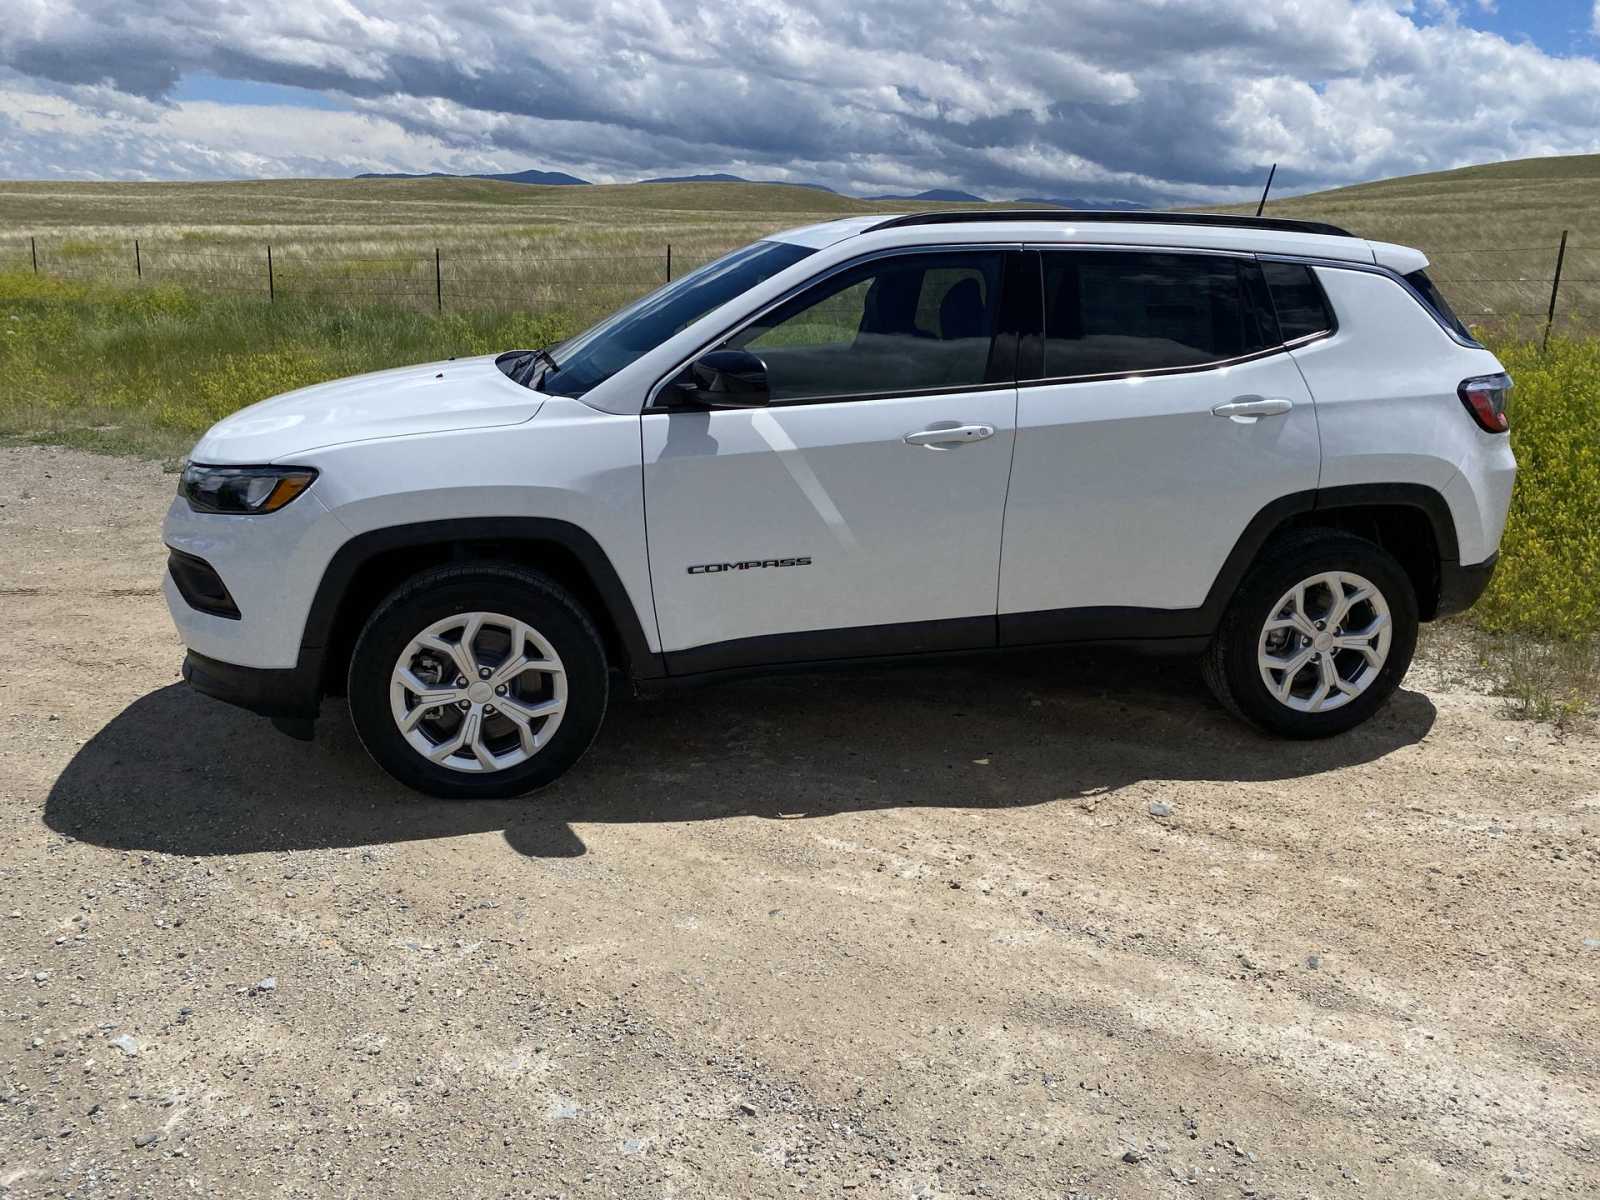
(1485, 398)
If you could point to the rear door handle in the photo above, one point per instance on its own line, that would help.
(1247, 409)
(950, 436)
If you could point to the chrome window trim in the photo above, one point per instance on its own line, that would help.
(1157, 372)
(997, 248)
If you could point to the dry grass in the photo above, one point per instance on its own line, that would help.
(500, 245)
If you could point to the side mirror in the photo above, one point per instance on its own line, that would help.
(725, 379)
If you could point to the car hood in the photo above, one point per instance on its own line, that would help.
(462, 393)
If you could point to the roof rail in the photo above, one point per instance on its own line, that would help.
(1087, 216)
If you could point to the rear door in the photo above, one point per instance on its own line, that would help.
(861, 512)
(1164, 416)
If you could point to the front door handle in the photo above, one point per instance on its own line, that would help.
(1247, 409)
(949, 436)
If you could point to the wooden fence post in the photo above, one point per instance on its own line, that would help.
(669, 262)
(272, 284)
(438, 281)
(33, 248)
(138, 263)
(1555, 288)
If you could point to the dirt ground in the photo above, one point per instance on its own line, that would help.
(1053, 927)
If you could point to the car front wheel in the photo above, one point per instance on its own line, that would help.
(478, 681)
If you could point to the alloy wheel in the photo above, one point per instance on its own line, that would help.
(1325, 642)
(478, 692)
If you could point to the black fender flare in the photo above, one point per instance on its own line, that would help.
(642, 662)
(1358, 495)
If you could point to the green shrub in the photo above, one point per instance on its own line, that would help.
(1548, 581)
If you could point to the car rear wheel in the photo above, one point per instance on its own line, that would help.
(478, 681)
(1318, 636)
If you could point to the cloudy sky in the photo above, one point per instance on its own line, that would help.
(1139, 99)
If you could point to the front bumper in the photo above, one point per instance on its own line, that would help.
(292, 693)
(1460, 584)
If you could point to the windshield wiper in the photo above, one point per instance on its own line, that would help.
(527, 367)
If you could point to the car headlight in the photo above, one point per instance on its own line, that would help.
(242, 489)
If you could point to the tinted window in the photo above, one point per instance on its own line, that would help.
(898, 324)
(604, 349)
(1297, 296)
(1436, 300)
(1112, 312)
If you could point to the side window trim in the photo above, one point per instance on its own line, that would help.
(1002, 249)
(1246, 259)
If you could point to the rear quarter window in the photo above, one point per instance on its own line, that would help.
(1435, 300)
(1303, 309)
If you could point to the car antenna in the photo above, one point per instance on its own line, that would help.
(1266, 189)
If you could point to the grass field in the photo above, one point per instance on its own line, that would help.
(1492, 232)
(90, 357)
(500, 245)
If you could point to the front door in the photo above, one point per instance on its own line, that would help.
(860, 514)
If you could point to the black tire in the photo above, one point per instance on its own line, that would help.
(1230, 662)
(436, 595)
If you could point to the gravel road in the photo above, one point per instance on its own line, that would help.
(1049, 928)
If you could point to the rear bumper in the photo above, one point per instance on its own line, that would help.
(291, 693)
(1460, 584)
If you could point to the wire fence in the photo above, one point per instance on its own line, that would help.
(439, 278)
(1529, 286)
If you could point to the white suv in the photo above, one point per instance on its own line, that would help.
(1266, 442)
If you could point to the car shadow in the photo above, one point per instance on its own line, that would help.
(177, 773)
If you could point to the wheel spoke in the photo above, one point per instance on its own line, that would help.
(521, 666)
(1346, 602)
(426, 696)
(1364, 645)
(1377, 625)
(1290, 667)
(446, 748)
(1328, 681)
(473, 728)
(469, 637)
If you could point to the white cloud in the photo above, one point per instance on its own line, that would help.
(1146, 98)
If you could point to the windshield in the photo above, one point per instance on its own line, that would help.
(604, 349)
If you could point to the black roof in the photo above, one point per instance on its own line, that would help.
(1088, 216)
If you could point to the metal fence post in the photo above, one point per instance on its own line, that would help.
(438, 281)
(272, 284)
(1555, 288)
(669, 262)
(138, 263)
(33, 248)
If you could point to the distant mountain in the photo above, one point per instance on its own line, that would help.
(1079, 203)
(717, 177)
(724, 177)
(946, 195)
(530, 176)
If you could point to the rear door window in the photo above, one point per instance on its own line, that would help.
(1127, 312)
